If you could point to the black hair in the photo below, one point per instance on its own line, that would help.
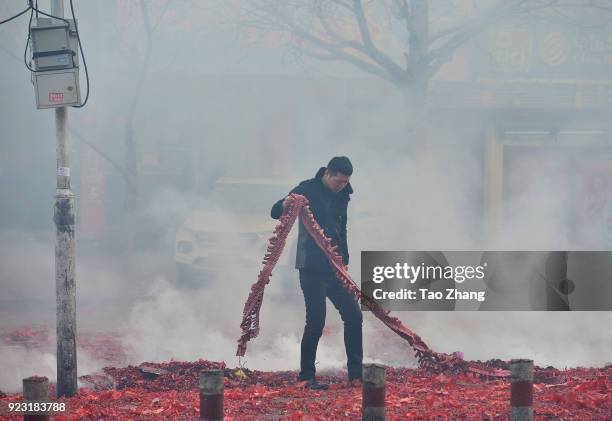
(340, 164)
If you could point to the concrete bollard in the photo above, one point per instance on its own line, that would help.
(521, 392)
(36, 389)
(211, 395)
(373, 393)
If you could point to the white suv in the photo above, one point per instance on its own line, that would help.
(230, 226)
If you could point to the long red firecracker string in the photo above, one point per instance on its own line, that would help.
(298, 205)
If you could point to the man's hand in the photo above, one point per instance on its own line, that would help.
(285, 202)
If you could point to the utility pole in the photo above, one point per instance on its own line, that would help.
(65, 282)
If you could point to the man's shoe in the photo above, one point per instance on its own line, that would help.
(313, 384)
(354, 381)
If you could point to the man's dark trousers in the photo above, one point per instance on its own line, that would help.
(316, 286)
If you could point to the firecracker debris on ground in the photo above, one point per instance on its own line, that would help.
(169, 390)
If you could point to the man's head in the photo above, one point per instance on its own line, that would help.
(338, 173)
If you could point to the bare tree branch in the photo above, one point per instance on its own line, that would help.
(365, 49)
(124, 173)
(403, 12)
(339, 55)
(272, 16)
(363, 24)
(315, 30)
(394, 70)
(440, 55)
(145, 64)
(334, 35)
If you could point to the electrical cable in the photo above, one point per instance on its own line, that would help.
(25, 51)
(76, 28)
(16, 16)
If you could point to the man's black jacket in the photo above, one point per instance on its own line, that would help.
(329, 210)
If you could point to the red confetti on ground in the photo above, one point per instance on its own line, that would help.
(412, 394)
(38, 337)
(105, 347)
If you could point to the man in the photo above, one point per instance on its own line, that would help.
(328, 194)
